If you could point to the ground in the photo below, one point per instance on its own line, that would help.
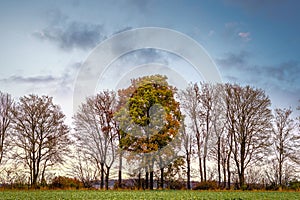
(168, 194)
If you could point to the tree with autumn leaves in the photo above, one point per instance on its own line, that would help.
(149, 120)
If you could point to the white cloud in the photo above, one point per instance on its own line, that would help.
(245, 36)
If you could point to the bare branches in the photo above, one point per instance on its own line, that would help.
(285, 142)
(6, 106)
(249, 124)
(96, 130)
(40, 135)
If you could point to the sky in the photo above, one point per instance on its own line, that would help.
(44, 44)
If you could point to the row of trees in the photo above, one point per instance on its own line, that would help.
(221, 132)
(33, 134)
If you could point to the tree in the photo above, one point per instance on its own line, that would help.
(174, 172)
(187, 140)
(154, 118)
(285, 141)
(189, 99)
(6, 108)
(218, 121)
(198, 103)
(40, 135)
(249, 125)
(84, 168)
(96, 131)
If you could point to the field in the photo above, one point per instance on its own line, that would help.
(127, 195)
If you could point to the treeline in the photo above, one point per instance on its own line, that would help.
(222, 135)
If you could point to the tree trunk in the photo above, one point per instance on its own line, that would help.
(224, 173)
(151, 179)
(228, 173)
(102, 175)
(219, 161)
(242, 170)
(200, 168)
(147, 180)
(139, 181)
(120, 171)
(162, 178)
(188, 161)
(204, 168)
(107, 178)
(280, 160)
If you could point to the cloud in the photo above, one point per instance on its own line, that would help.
(122, 30)
(50, 84)
(73, 35)
(245, 36)
(236, 30)
(283, 76)
(234, 60)
(33, 79)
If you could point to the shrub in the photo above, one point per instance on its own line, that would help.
(63, 182)
(206, 185)
(294, 185)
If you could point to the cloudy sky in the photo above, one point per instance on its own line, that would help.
(44, 43)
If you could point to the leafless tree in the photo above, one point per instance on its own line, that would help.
(187, 140)
(6, 107)
(200, 103)
(218, 119)
(83, 167)
(96, 131)
(40, 135)
(189, 102)
(285, 141)
(249, 125)
(206, 100)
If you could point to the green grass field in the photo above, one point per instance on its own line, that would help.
(127, 195)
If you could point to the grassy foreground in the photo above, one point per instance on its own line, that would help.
(127, 195)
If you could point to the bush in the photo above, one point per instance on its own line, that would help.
(294, 185)
(272, 186)
(175, 184)
(206, 185)
(63, 182)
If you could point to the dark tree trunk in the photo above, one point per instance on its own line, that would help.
(242, 170)
(228, 174)
(147, 180)
(102, 175)
(120, 171)
(219, 161)
(139, 181)
(162, 178)
(224, 174)
(107, 178)
(204, 168)
(188, 161)
(151, 179)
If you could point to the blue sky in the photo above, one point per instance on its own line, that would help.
(43, 43)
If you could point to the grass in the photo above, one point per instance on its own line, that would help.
(128, 195)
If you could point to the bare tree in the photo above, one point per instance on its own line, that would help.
(198, 103)
(189, 99)
(40, 136)
(218, 118)
(206, 100)
(187, 140)
(285, 141)
(96, 131)
(249, 125)
(6, 106)
(84, 168)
